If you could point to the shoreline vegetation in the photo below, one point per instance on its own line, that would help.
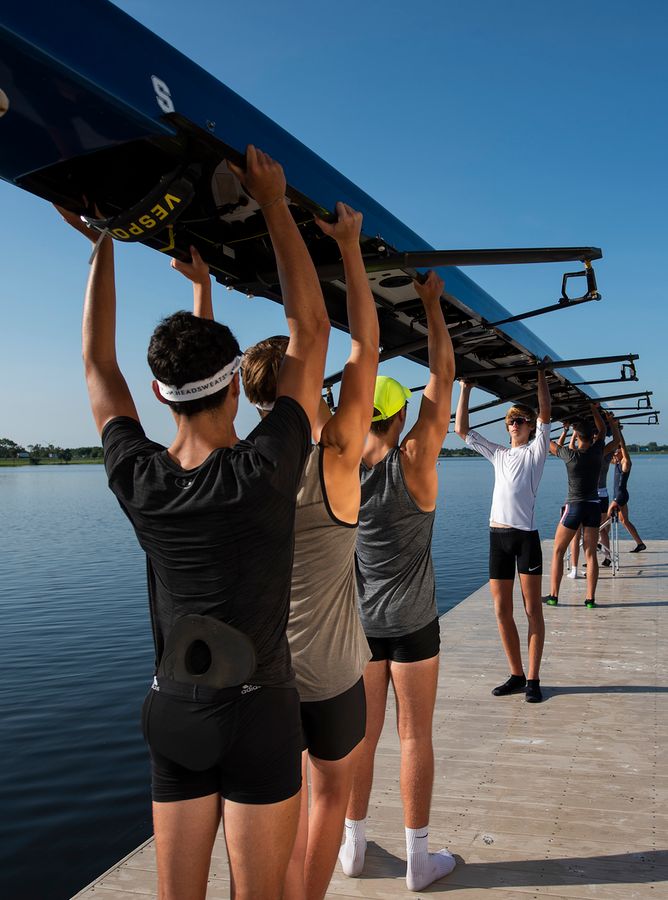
(13, 454)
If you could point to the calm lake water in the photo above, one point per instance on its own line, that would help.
(76, 653)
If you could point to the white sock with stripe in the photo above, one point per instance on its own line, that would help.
(353, 848)
(423, 867)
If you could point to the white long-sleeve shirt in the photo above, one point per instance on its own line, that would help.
(517, 471)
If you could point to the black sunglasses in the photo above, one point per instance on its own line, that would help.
(518, 420)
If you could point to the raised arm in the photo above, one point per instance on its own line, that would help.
(108, 392)
(560, 440)
(612, 445)
(544, 398)
(197, 271)
(424, 441)
(302, 371)
(599, 424)
(626, 456)
(345, 432)
(462, 416)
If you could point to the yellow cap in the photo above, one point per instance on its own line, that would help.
(389, 397)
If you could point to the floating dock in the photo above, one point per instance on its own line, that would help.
(568, 798)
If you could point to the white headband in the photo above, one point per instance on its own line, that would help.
(195, 389)
(265, 407)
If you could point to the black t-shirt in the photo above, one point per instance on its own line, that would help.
(218, 538)
(583, 468)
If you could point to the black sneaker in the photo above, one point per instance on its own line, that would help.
(590, 604)
(551, 600)
(639, 548)
(533, 692)
(515, 685)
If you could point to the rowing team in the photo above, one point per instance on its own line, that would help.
(289, 573)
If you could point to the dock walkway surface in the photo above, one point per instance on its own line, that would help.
(568, 798)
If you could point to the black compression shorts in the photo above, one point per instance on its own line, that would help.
(246, 747)
(583, 512)
(332, 728)
(422, 644)
(604, 503)
(510, 548)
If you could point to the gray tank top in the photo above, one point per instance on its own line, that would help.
(327, 642)
(603, 477)
(395, 576)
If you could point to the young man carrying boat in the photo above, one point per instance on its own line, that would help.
(582, 508)
(215, 516)
(603, 500)
(514, 542)
(327, 643)
(395, 583)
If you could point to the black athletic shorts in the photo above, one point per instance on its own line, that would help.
(422, 644)
(246, 747)
(604, 503)
(510, 548)
(584, 512)
(622, 498)
(332, 728)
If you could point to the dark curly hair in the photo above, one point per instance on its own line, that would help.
(185, 348)
(584, 428)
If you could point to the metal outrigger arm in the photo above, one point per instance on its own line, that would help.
(549, 366)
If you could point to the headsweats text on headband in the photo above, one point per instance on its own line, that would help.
(195, 389)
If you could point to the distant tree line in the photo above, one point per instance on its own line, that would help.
(459, 451)
(35, 452)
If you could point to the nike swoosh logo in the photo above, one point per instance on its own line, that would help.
(534, 568)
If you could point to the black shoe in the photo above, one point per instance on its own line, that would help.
(515, 685)
(533, 692)
(551, 600)
(590, 604)
(639, 548)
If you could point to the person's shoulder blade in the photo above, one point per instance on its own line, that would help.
(282, 439)
(123, 440)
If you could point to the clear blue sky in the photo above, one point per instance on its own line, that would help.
(480, 125)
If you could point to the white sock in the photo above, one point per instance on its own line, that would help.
(573, 573)
(423, 867)
(353, 848)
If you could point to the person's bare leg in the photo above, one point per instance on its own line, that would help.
(184, 834)
(351, 854)
(628, 524)
(295, 888)
(376, 681)
(590, 542)
(533, 606)
(331, 781)
(502, 595)
(604, 534)
(415, 690)
(269, 828)
(575, 551)
(562, 538)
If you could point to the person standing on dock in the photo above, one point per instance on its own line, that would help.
(603, 499)
(215, 517)
(514, 542)
(620, 498)
(327, 643)
(583, 465)
(396, 592)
